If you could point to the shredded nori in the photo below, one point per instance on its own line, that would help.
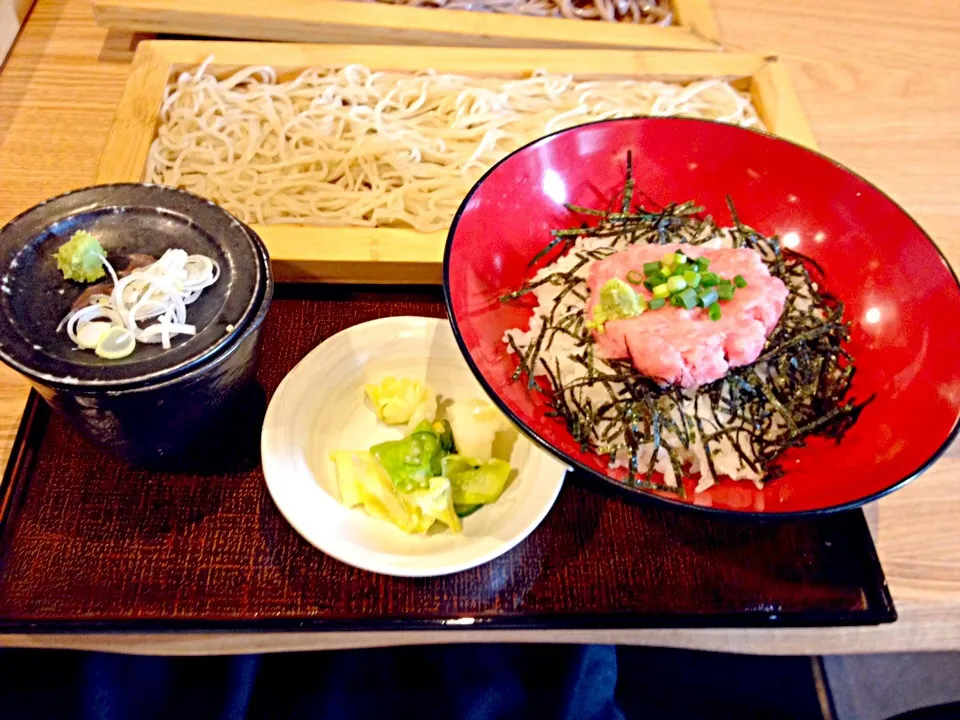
(797, 388)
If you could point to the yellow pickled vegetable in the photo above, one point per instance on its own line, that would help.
(475, 424)
(366, 481)
(475, 482)
(402, 401)
(436, 501)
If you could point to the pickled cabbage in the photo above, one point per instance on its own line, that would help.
(439, 472)
(436, 501)
(397, 402)
(410, 462)
(374, 490)
(475, 482)
(475, 424)
(348, 464)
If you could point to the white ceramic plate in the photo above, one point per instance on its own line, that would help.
(320, 407)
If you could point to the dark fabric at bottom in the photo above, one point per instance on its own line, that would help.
(447, 681)
(474, 682)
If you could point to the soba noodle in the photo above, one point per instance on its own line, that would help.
(651, 12)
(352, 147)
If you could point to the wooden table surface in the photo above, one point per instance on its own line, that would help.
(878, 83)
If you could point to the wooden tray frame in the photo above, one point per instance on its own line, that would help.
(389, 255)
(336, 21)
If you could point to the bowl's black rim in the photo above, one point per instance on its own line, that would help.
(640, 492)
(160, 377)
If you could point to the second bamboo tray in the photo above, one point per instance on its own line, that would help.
(336, 21)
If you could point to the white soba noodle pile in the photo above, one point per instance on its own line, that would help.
(651, 12)
(353, 147)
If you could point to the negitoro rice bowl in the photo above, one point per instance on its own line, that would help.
(734, 426)
(708, 315)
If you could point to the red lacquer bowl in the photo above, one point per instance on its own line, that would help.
(901, 296)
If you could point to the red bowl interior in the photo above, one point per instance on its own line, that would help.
(901, 296)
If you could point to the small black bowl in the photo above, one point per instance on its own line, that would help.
(154, 403)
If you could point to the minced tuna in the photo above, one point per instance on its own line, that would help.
(677, 346)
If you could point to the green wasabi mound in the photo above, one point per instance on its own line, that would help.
(79, 258)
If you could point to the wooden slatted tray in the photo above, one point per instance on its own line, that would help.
(302, 253)
(380, 23)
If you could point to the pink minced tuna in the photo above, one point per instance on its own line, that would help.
(678, 346)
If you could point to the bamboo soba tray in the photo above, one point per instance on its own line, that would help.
(381, 23)
(391, 255)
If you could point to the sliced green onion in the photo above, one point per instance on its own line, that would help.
(89, 335)
(692, 278)
(634, 278)
(709, 279)
(740, 281)
(679, 259)
(648, 285)
(657, 278)
(676, 284)
(725, 290)
(116, 343)
(667, 260)
(650, 268)
(675, 300)
(688, 298)
(708, 297)
(657, 303)
(661, 291)
(703, 263)
(714, 311)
